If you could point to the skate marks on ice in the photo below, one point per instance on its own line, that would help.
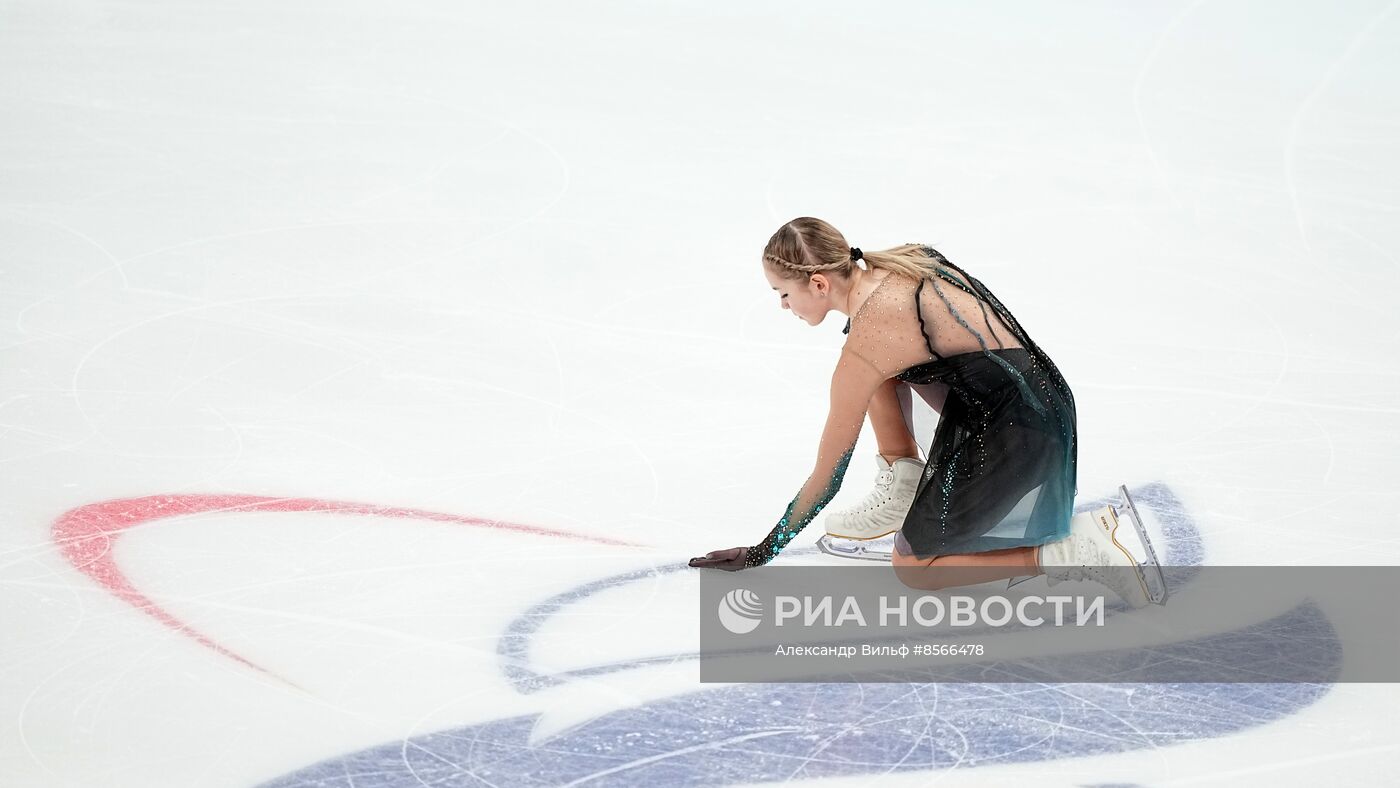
(744, 733)
(87, 537)
(779, 732)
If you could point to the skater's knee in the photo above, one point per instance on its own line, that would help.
(924, 577)
(899, 558)
(919, 573)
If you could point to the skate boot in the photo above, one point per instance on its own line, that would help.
(867, 529)
(1093, 551)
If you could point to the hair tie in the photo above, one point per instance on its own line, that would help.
(855, 253)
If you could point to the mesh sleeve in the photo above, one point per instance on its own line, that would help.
(853, 383)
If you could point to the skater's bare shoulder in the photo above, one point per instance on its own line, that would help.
(885, 329)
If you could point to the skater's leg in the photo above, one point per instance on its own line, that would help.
(887, 418)
(926, 574)
(883, 509)
(1091, 551)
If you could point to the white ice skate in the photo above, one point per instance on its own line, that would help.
(867, 529)
(1093, 551)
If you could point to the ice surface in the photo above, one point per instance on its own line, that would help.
(368, 371)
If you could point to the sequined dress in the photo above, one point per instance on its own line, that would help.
(1000, 469)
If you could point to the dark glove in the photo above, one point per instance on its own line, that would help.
(731, 560)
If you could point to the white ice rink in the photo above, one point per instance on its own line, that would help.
(371, 369)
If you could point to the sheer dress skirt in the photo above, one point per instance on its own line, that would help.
(1001, 461)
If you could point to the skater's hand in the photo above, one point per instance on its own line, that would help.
(731, 560)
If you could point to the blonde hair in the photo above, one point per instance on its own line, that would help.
(807, 245)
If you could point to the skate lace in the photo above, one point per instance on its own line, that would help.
(1096, 562)
(1092, 560)
(873, 498)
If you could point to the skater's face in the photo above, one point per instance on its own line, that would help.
(804, 299)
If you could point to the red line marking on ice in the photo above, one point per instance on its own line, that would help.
(87, 534)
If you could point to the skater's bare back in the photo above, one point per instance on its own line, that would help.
(891, 335)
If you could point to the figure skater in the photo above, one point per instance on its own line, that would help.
(995, 497)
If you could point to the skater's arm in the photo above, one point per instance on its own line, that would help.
(852, 385)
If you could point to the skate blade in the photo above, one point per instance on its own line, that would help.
(1149, 569)
(880, 548)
